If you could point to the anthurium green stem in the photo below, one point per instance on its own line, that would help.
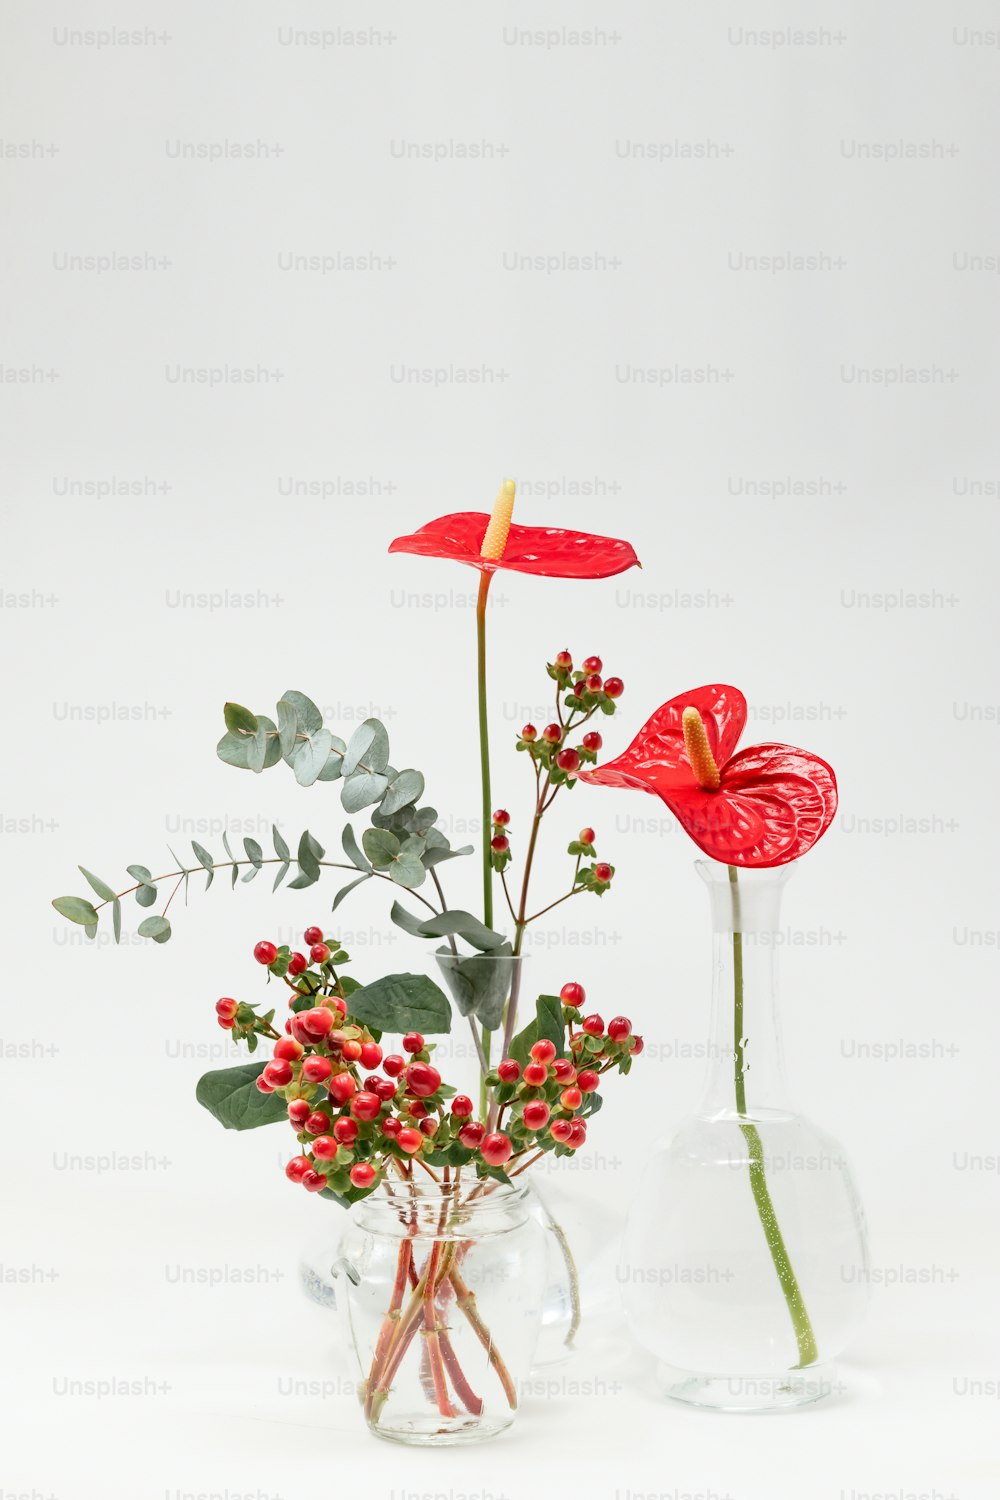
(484, 768)
(804, 1336)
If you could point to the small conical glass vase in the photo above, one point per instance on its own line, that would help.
(745, 1266)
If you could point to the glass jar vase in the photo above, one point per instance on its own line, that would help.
(745, 1267)
(442, 1289)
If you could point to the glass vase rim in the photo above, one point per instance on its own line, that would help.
(715, 872)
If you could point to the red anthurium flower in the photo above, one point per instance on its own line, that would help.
(492, 542)
(762, 806)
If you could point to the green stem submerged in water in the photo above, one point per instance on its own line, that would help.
(804, 1336)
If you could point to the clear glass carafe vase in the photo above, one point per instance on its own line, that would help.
(745, 1266)
(442, 1289)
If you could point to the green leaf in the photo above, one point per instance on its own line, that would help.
(403, 1002)
(345, 890)
(76, 909)
(279, 877)
(406, 920)
(403, 789)
(116, 917)
(239, 718)
(408, 871)
(233, 749)
(157, 928)
(255, 853)
(361, 790)
(368, 748)
(547, 1025)
(146, 895)
(232, 1096)
(287, 727)
(432, 857)
(334, 761)
(257, 752)
(281, 849)
(480, 984)
(307, 715)
(311, 757)
(354, 854)
(206, 859)
(381, 846)
(309, 855)
(464, 925)
(104, 891)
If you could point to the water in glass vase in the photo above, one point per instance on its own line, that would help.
(745, 1262)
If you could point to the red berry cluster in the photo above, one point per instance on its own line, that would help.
(351, 1121)
(586, 692)
(547, 1098)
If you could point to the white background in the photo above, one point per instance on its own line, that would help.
(862, 601)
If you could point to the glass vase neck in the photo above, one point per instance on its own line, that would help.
(746, 1075)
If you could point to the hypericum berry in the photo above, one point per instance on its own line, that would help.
(363, 1174)
(637, 1045)
(297, 963)
(587, 1081)
(342, 1088)
(297, 1168)
(299, 1111)
(226, 1009)
(262, 1084)
(543, 1051)
(288, 1048)
(391, 1126)
(462, 1106)
(593, 683)
(603, 873)
(496, 1148)
(412, 1042)
(422, 1079)
(571, 1098)
(382, 1088)
(573, 994)
(226, 1022)
(393, 1064)
(501, 818)
(312, 935)
(593, 664)
(409, 1140)
(535, 1074)
(319, 953)
(592, 741)
(579, 688)
(500, 844)
(563, 1071)
(316, 1069)
(564, 660)
(562, 1130)
(619, 1027)
(265, 953)
(509, 1071)
(471, 1135)
(345, 1131)
(317, 1021)
(568, 759)
(529, 733)
(428, 1126)
(371, 1054)
(325, 1148)
(313, 1182)
(365, 1106)
(350, 1051)
(593, 1025)
(552, 733)
(416, 1110)
(614, 687)
(317, 1123)
(278, 1073)
(577, 1133)
(536, 1114)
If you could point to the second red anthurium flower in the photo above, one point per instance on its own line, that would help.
(762, 806)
